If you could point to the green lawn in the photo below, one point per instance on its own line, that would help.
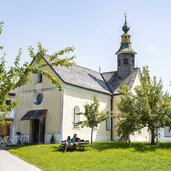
(103, 157)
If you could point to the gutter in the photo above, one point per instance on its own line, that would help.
(111, 138)
(62, 117)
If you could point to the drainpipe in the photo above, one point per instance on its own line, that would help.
(111, 119)
(62, 117)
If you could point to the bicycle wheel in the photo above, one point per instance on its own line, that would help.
(19, 142)
(2, 143)
(9, 141)
(25, 142)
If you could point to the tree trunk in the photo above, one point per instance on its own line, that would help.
(92, 136)
(157, 136)
(153, 136)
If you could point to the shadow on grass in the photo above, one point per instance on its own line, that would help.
(140, 147)
(16, 147)
(101, 146)
(59, 149)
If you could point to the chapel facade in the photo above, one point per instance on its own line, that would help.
(44, 111)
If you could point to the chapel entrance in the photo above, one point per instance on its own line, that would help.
(37, 125)
(35, 131)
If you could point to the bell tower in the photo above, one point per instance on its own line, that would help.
(125, 54)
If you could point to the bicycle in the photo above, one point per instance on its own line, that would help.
(22, 140)
(4, 142)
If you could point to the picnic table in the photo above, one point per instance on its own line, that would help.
(80, 145)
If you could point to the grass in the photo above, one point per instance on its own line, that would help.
(104, 156)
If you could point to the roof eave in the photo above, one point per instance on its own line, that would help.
(108, 93)
(125, 52)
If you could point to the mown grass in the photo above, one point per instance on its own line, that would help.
(104, 156)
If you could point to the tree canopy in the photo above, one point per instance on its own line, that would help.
(18, 75)
(148, 107)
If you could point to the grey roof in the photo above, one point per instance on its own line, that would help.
(79, 76)
(113, 80)
(125, 48)
(82, 77)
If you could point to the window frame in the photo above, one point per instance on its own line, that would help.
(125, 61)
(39, 78)
(76, 118)
(36, 99)
(167, 131)
(107, 123)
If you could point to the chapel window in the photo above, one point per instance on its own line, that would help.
(38, 98)
(39, 78)
(167, 132)
(125, 61)
(108, 124)
(76, 117)
(139, 131)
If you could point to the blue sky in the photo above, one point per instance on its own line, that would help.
(93, 27)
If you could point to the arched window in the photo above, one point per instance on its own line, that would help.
(125, 61)
(139, 131)
(108, 124)
(76, 117)
(167, 132)
(39, 78)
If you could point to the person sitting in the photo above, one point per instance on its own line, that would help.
(75, 140)
(68, 143)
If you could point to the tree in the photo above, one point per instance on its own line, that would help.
(93, 116)
(147, 107)
(18, 75)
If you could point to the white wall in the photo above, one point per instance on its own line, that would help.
(162, 136)
(74, 96)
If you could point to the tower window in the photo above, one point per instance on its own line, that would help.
(119, 62)
(132, 55)
(132, 62)
(125, 61)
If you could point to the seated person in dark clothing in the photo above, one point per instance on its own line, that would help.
(75, 140)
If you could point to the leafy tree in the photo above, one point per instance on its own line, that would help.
(18, 75)
(147, 107)
(93, 116)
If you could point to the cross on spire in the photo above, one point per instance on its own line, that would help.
(125, 18)
(125, 28)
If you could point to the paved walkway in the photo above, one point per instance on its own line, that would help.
(8, 162)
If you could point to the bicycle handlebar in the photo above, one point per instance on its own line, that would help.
(18, 133)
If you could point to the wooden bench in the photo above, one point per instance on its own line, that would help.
(80, 145)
